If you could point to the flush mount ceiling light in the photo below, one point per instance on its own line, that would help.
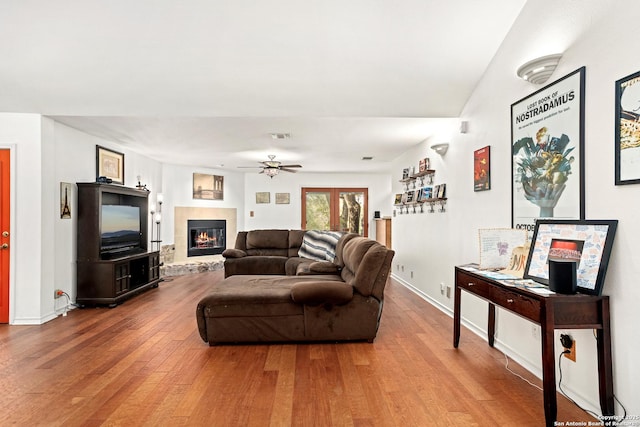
(440, 148)
(539, 70)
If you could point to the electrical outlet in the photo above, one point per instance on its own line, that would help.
(412, 274)
(442, 288)
(57, 293)
(535, 332)
(448, 291)
(569, 345)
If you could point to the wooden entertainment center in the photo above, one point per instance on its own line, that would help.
(109, 277)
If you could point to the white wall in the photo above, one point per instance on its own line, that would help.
(289, 216)
(22, 134)
(590, 33)
(178, 192)
(43, 250)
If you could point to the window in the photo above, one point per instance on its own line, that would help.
(338, 209)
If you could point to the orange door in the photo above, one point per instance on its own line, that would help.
(5, 173)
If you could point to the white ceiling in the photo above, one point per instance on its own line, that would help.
(205, 82)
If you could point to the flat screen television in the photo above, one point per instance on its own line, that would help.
(120, 229)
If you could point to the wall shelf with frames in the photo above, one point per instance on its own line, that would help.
(428, 205)
(419, 196)
(424, 177)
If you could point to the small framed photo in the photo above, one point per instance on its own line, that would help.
(110, 164)
(588, 242)
(283, 198)
(398, 199)
(406, 173)
(65, 200)
(424, 165)
(263, 197)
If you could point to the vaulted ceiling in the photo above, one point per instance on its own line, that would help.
(206, 82)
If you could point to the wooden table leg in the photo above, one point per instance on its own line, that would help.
(491, 324)
(605, 373)
(549, 367)
(456, 316)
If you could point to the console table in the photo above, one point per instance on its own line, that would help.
(555, 311)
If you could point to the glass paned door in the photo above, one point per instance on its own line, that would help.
(338, 209)
(318, 210)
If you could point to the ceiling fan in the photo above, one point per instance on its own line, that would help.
(273, 167)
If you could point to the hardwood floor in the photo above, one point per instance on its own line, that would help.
(144, 364)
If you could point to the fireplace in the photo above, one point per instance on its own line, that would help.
(206, 237)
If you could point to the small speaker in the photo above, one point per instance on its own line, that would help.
(376, 214)
(563, 276)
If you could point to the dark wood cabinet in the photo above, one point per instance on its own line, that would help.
(109, 277)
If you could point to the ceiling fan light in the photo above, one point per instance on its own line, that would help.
(271, 172)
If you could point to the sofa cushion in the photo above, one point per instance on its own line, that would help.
(321, 292)
(234, 253)
(319, 245)
(364, 260)
(268, 239)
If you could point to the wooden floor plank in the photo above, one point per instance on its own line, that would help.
(144, 364)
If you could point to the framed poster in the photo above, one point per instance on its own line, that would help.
(627, 143)
(588, 242)
(110, 164)
(263, 197)
(208, 187)
(482, 169)
(283, 198)
(547, 148)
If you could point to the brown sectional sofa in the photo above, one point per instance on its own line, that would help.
(343, 306)
(273, 252)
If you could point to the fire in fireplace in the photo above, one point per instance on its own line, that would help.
(206, 236)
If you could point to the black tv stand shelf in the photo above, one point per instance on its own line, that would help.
(108, 278)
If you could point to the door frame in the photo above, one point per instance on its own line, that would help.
(335, 201)
(12, 228)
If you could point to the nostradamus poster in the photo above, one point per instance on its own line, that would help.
(547, 147)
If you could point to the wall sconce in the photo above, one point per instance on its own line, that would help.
(440, 148)
(539, 70)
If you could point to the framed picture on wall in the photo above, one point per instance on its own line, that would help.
(208, 187)
(110, 164)
(65, 200)
(547, 148)
(263, 197)
(627, 128)
(283, 198)
(482, 169)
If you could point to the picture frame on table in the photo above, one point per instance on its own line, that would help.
(110, 164)
(547, 149)
(591, 242)
(627, 130)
